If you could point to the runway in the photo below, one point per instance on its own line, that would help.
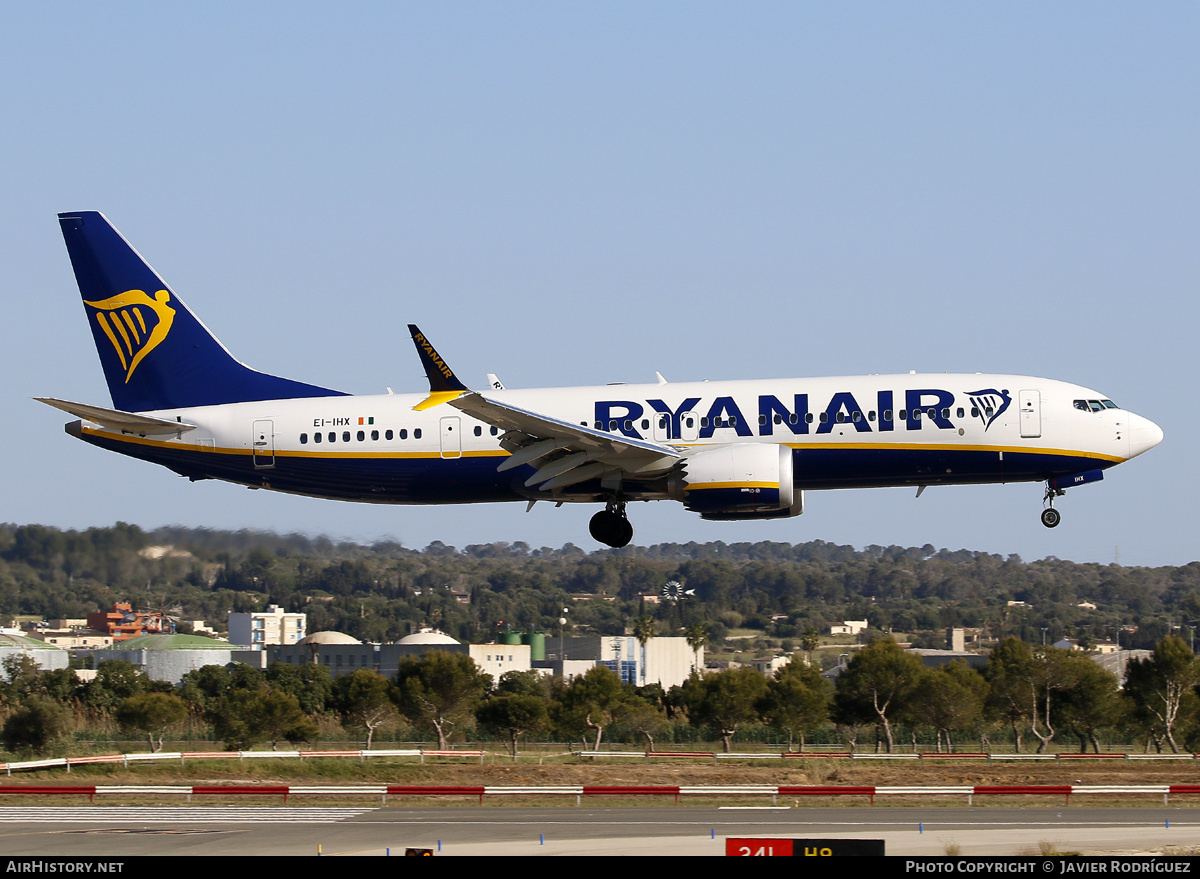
(106, 831)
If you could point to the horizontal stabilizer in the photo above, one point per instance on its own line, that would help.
(115, 419)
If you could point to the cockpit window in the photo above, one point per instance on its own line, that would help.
(1109, 404)
(1095, 405)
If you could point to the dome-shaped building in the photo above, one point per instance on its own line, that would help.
(338, 652)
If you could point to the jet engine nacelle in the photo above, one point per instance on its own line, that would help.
(738, 481)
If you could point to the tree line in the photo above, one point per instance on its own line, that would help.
(384, 591)
(882, 696)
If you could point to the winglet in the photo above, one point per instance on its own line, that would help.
(443, 385)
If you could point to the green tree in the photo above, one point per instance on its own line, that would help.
(512, 716)
(35, 726)
(1090, 703)
(725, 700)
(151, 714)
(875, 686)
(244, 718)
(797, 700)
(1160, 685)
(950, 699)
(1012, 682)
(364, 701)
(440, 690)
(589, 702)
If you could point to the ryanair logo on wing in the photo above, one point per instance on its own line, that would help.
(135, 324)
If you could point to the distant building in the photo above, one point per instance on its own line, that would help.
(849, 627)
(342, 654)
(47, 657)
(935, 658)
(73, 639)
(664, 661)
(123, 622)
(170, 657)
(272, 626)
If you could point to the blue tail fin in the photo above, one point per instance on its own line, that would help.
(155, 353)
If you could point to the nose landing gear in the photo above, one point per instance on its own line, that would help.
(610, 526)
(1050, 516)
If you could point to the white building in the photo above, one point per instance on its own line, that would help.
(849, 627)
(272, 626)
(664, 661)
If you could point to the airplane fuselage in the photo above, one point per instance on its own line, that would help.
(843, 432)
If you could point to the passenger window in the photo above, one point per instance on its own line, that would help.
(304, 439)
(494, 431)
(904, 415)
(824, 417)
(375, 435)
(478, 430)
(887, 415)
(762, 420)
(645, 424)
(345, 436)
(871, 415)
(808, 418)
(960, 412)
(316, 437)
(857, 416)
(332, 437)
(361, 436)
(793, 418)
(778, 418)
(416, 433)
(403, 433)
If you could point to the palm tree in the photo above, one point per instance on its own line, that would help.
(643, 630)
(697, 637)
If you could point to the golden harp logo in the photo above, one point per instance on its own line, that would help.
(135, 324)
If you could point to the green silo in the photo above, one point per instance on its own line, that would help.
(537, 645)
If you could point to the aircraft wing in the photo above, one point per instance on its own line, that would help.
(563, 453)
(115, 419)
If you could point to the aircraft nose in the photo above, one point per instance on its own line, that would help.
(1144, 435)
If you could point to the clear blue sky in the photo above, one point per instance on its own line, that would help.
(578, 193)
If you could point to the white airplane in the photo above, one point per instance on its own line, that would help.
(725, 450)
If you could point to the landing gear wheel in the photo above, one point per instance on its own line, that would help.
(610, 527)
(1051, 517)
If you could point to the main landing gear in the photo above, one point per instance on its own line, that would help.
(610, 526)
(1050, 516)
